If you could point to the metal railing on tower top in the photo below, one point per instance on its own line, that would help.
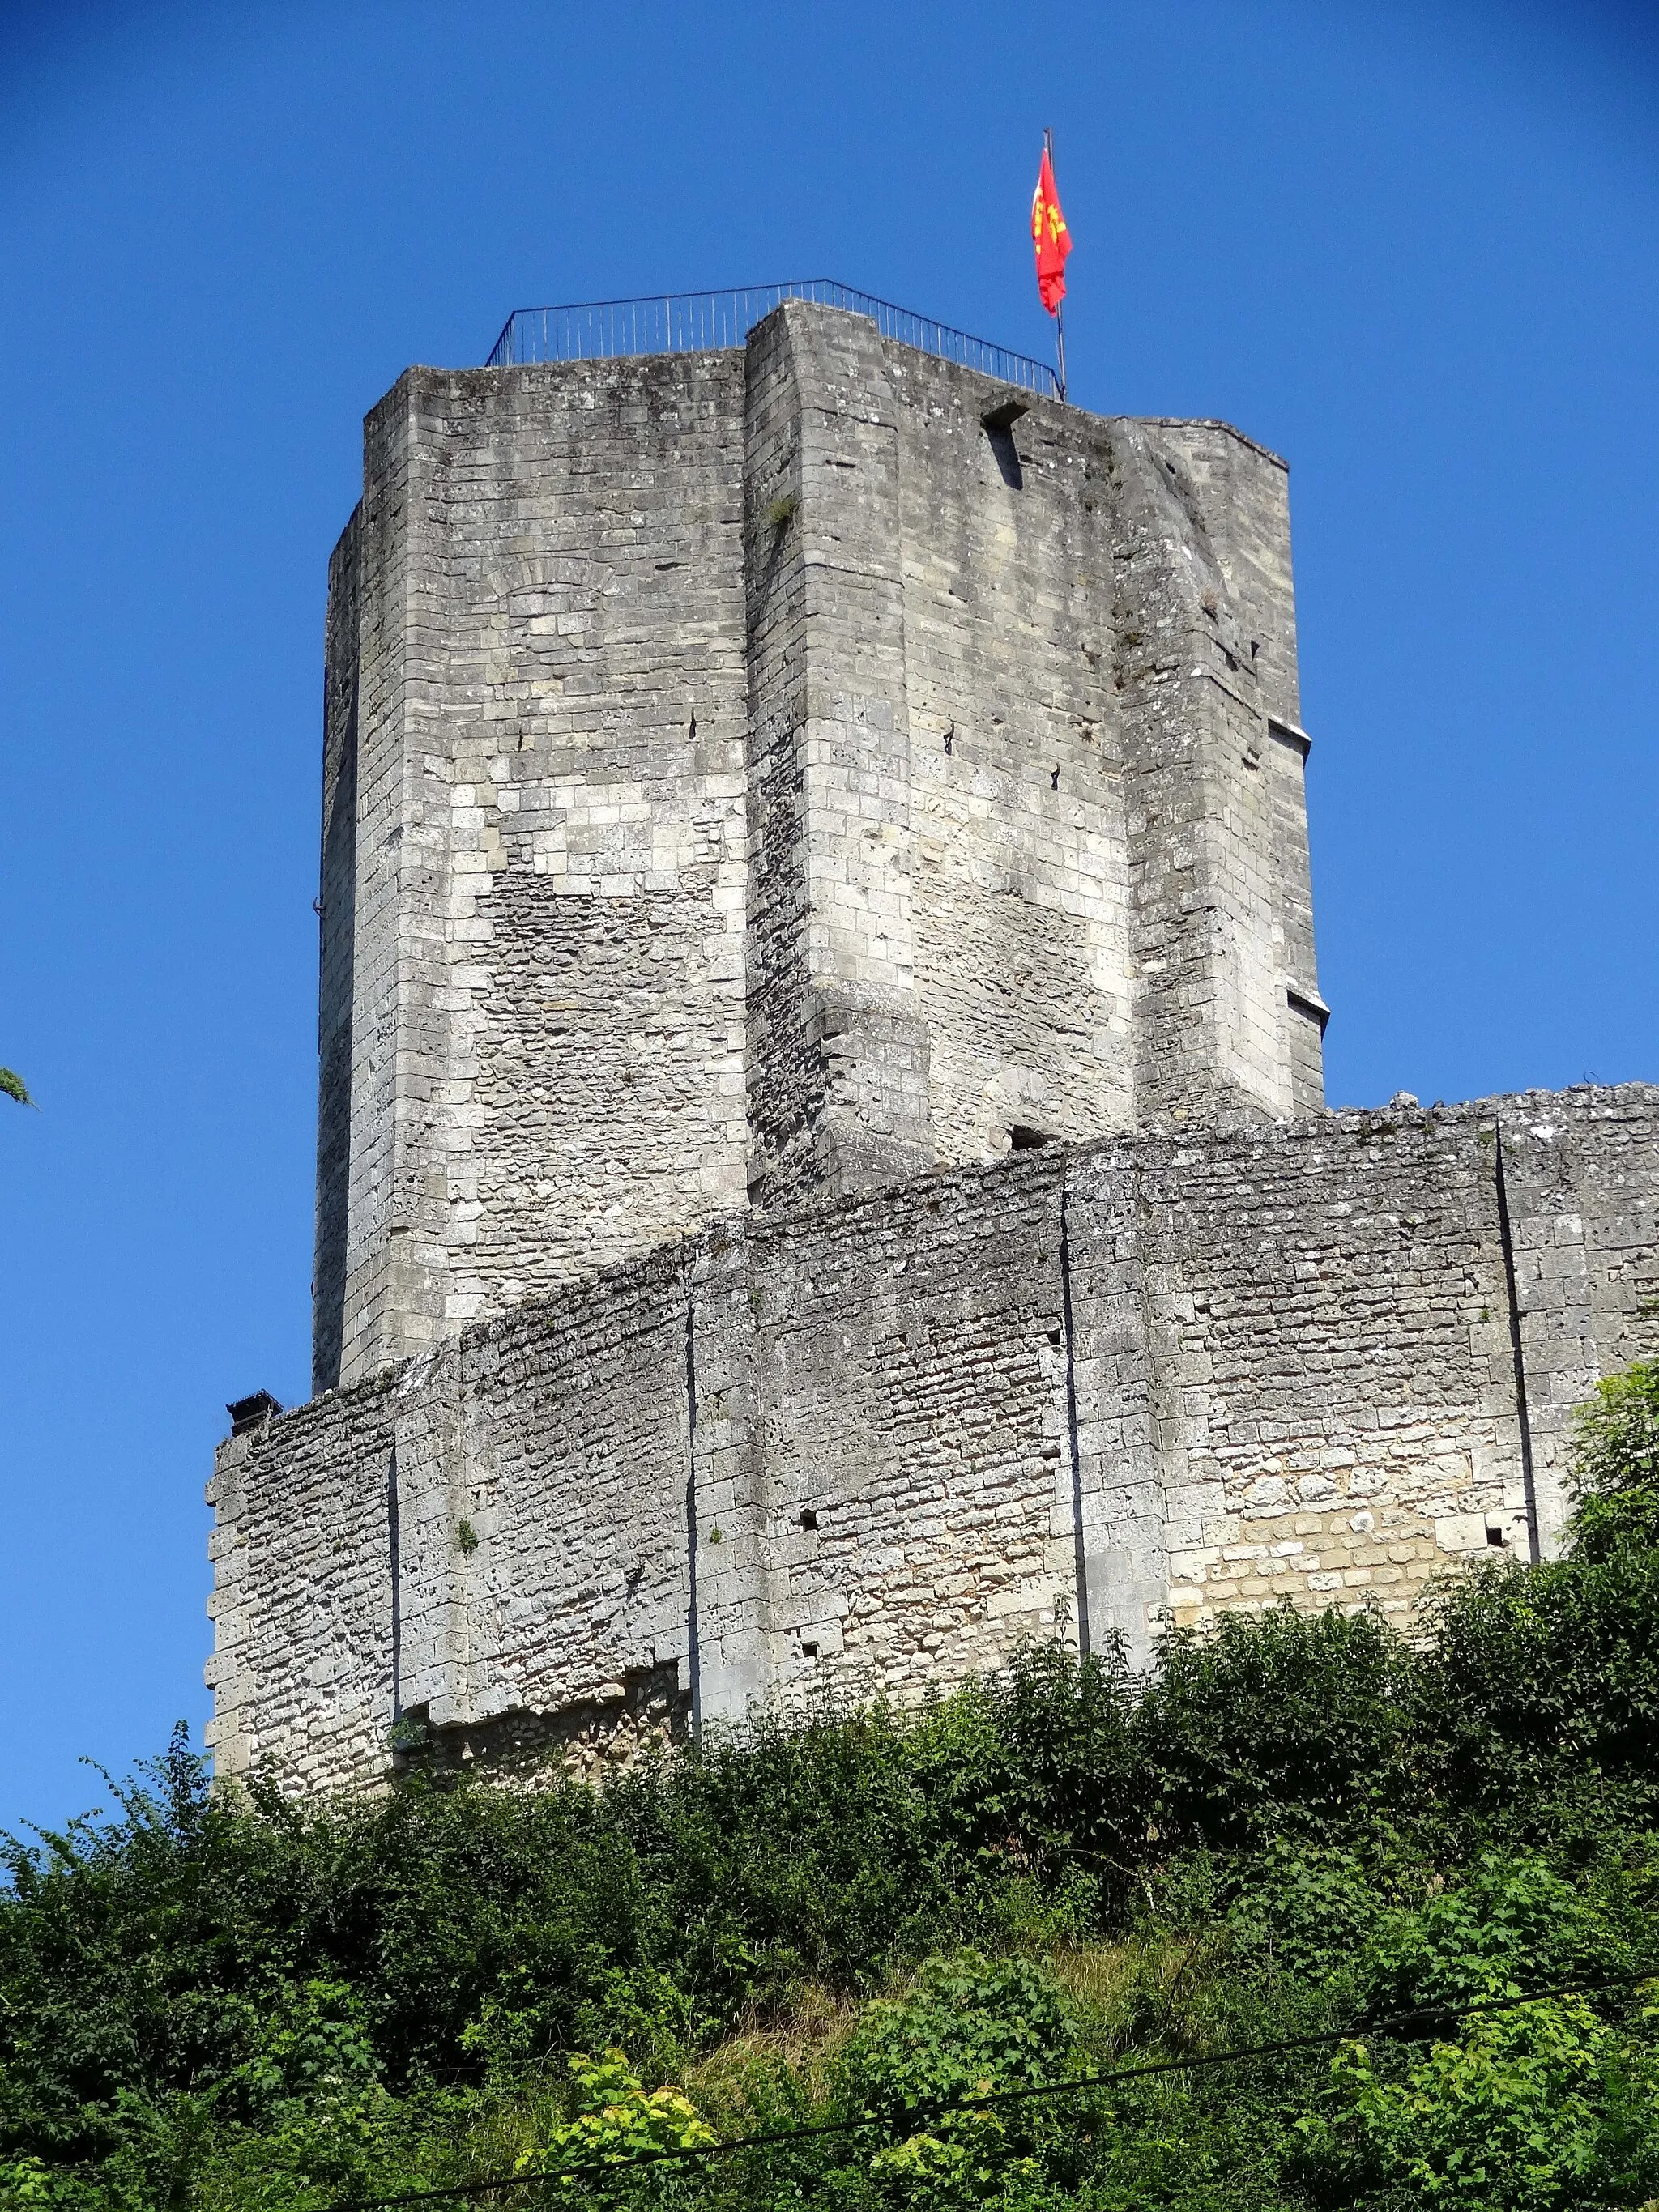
(705, 322)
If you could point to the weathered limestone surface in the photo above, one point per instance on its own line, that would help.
(538, 616)
(831, 1448)
(822, 1170)
(748, 777)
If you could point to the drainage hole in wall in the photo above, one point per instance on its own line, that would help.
(809, 1519)
(808, 1650)
(1494, 1535)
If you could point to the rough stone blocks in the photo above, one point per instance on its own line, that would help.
(821, 1166)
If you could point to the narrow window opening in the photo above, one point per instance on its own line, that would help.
(1008, 459)
(1310, 1005)
(1000, 422)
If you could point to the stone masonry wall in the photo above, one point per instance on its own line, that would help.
(1323, 1360)
(748, 776)
(549, 974)
(1583, 1205)
(1212, 803)
(1021, 866)
(1238, 496)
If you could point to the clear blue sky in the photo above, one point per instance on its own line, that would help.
(1411, 248)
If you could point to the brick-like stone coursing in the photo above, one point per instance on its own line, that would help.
(821, 1172)
(548, 1000)
(1294, 1373)
(749, 778)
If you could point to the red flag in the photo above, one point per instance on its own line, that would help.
(1050, 237)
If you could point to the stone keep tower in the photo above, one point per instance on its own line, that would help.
(822, 1170)
(781, 771)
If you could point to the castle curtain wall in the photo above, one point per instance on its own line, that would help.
(832, 1451)
(821, 1172)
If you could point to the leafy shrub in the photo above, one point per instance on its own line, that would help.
(1509, 1926)
(1615, 1466)
(1283, 1723)
(1532, 2105)
(221, 1998)
(1310, 1911)
(1037, 1774)
(970, 2026)
(613, 2119)
(1508, 2117)
(1543, 1681)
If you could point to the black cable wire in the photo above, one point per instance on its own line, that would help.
(989, 2099)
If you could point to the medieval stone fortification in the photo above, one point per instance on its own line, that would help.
(822, 1169)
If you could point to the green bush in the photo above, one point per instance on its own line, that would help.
(220, 1998)
(1615, 1466)
(1539, 1684)
(613, 2120)
(1510, 1925)
(969, 2025)
(1513, 2116)
(1280, 1723)
(969, 2028)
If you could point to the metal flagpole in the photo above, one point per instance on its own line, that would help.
(1060, 305)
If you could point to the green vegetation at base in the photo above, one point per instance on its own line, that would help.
(1294, 1827)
